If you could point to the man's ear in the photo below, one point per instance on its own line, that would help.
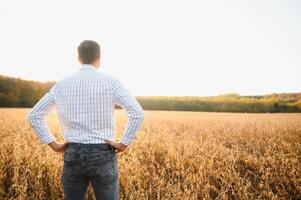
(98, 62)
(79, 60)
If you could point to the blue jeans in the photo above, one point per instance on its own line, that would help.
(85, 163)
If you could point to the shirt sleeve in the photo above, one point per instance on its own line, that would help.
(36, 116)
(123, 98)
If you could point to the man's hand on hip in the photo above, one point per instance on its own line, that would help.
(57, 147)
(118, 145)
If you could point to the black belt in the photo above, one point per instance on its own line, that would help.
(104, 146)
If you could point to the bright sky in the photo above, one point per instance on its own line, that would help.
(159, 47)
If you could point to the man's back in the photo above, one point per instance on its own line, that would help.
(85, 103)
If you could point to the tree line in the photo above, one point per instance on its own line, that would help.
(15, 92)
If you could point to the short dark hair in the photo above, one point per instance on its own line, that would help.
(88, 51)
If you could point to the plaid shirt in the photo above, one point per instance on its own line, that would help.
(85, 103)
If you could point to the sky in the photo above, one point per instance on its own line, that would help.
(159, 47)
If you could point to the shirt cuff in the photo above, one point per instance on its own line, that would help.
(126, 141)
(47, 140)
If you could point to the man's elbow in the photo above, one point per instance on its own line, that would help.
(140, 115)
(31, 117)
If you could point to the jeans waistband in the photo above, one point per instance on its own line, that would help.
(103, 146)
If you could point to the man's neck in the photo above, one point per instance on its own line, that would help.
(92, 65)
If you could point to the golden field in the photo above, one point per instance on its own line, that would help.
(177, 155)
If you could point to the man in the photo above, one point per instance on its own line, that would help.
(85, 103)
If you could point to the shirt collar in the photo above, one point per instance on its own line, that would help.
(87, 66)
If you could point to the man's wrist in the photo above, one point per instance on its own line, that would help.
(52, 144)
(125, 145)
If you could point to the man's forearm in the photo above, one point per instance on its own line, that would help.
(40, 128)
(133, 125)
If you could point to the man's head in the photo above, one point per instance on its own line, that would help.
(89, 53)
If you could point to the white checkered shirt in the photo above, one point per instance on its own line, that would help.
(85, 103)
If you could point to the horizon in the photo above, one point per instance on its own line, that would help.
(184, 49)
(231, 93)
